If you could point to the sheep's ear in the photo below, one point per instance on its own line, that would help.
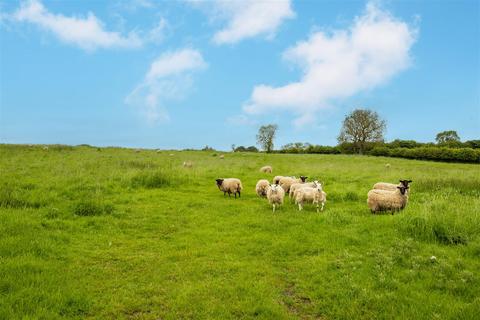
(409, 181)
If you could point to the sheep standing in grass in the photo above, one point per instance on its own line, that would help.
(230, 185)
(385, 200)
(262, 187)
(221, 156)
(286, 182)
(296, 186)
(315, 196)
(391, 186)
(266, 169)
(387, 166)
(187, 164)
(275, 195)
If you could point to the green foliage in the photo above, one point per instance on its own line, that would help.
(181, 250)
(430, 153)
(246, 149)
(447, 136)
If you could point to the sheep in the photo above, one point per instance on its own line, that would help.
(230, 185)
(286, 182)
(296, 186)
(310, 195)
(384, 200)
(171, 154)
(187, 164)
(262, 187)
(221, 156)
(275, 195)
(391, 186)
(137, 150)
(266, 169)
(276, 179)
(387, 166)
(45, 147)
(158, 150)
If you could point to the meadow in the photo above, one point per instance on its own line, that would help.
(111, 233)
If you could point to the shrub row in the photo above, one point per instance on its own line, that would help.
(429, 153)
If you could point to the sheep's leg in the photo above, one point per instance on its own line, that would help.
(235, 194)
(274, 208)
(239, 194)
(323, 204)
(299, 206)
(224, 193)
(317, 207)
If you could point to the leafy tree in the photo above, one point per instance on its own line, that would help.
(265, 137)
(360, 127)
(447, 136)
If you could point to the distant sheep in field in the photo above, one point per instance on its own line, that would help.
(187, 164)
(171, 154)
(387, 166)
(315, 196)
(297, 186)
(391, 186)
(221, 156)
(137, 150)
(158, 150)
(384, 200)
(230, 185)
(262, 187)
(45, 147)
(275, 195)
(286, 182)
(266, 169)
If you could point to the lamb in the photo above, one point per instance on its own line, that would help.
(266, 169)
(262, 187)
(391, 186)
(384, 200)
(286, 182)
(276, 179)
(230, 185)
(187, 164)
(275, 195)
(310, 195)
(296, 186)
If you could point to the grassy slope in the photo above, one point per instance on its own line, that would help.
(174, 247)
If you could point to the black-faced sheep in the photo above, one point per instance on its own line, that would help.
(230, 185)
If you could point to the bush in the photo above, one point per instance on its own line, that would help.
(92, 208)
(430, 153)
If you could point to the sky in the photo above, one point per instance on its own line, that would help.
(185, 74)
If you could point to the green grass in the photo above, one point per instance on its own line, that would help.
(111, 233)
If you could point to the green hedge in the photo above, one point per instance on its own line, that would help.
(430, 153)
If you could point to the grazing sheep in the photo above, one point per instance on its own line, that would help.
(387, 166)
(286, 182)
(310, 195)
(384, 200)
(262, 187)
(275, 195)
(187, 164)
(171, 154)
(158, 150)
(45, 148)
(221, 156)
(296, 186)
(230, 185)
(266, 169)
(391, 186)
(276, 179)
(137, 150)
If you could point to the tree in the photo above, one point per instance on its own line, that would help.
(447, 136)
(265, 137)
(233, 147)
(360, 127)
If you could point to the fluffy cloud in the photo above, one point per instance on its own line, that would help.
(87, 33)
(247, 18)
(338, 65)
(169, 78)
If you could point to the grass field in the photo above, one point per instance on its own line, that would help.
(116, 234)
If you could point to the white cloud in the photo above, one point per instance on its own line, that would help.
(338, 65)
(246, 18)
(169, 78)
(87, 32)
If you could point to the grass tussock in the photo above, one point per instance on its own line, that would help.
(157, 179)
(16, 198)
(92, 208)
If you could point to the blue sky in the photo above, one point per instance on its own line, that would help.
(185, 74)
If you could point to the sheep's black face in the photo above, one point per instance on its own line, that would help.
(303, 178)
(405, 182)
(219, 182)
(403, 189)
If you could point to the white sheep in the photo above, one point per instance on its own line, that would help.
(230, 185)
(266, 169)
(221, 156)
(387, 166)
(286, 182)
(294, 187)
(275, 195)
(391, 186)
(262, 187)
(311, 195)
(385, 200)
(187, 164)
